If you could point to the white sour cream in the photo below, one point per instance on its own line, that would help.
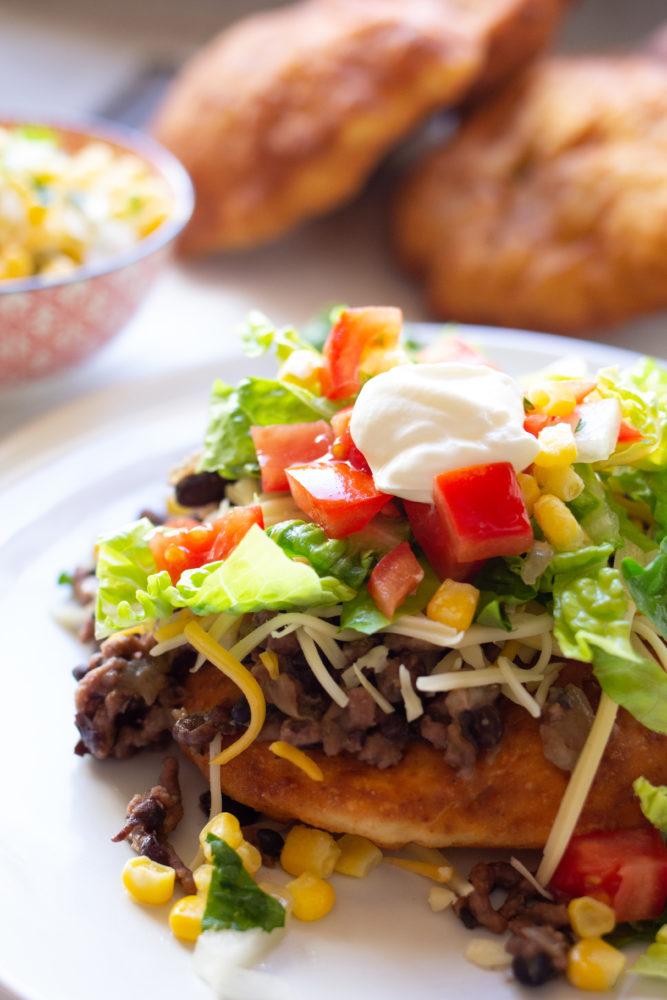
(415, 421)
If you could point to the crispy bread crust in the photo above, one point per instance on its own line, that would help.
(511, 800)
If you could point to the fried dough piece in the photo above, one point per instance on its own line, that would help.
(510, 801)
(284, 115)
(548, 210)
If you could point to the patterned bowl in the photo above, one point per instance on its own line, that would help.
(46, 326)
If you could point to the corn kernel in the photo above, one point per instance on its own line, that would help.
(562, 481)
(250, 856)
(557, 446)
(453, 604)
(556, 399)
(185, 917)
(311, 850)
(592, 964)
(530, 490)
(558, 523)
(357, 855)
(313, 897)
(202, 877)
(302, 368)
(591, 918)
(147, 881)
(16, 263)
(226, 826)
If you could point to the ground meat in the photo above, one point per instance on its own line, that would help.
(566, 723)
(380, 752)
(523, 905)
(152, 817)
(125, 699)
(540, 952)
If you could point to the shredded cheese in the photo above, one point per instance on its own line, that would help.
(222, 625)
(241, 676)
(473, 678)
(270, 661)
(412, 701)
(645, 631)
(329, 647)
(522, 870)
(214, 776)
(431, 855)
(578, 788)
(376, 695)
(509, 675)
(293, 618)
(314, 661)
(297, 757)
(174, 627)
(439, 873)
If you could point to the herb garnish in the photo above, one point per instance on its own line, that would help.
(234, 898)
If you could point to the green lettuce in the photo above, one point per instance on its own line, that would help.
(593, 510)
(334, 556)
(639, 685)
(362, 613)
(228, 445)
(124, 565)
(653, 802)
(501, 586)
(234, 900)
(259, 335)
(642, 394)
(653, 962)
(256, 576)
(648, 586)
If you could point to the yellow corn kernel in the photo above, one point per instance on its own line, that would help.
(556, 399)
(530, 490)
(226, 826)
(147, 881)
(270, 660)
(592, 964)
(453, 604)
(661, 936)
(185, 917)
(357, 855)
(309, 850)
(202, 877)
(16, 263)
(562, 481)
(302, 368)
(557, 446)
(250, 856)
(558, 523)
(313, 897)
(591, 918)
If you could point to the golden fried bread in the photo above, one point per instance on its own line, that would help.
(284, 115)
(510, 801)
(548, 210)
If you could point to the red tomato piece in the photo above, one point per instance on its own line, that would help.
(396, 575)
(343, 447)
(536, 422)
(355, 332)
(627, 869)
(281, 445)
(452, 349)
(482, 512)
(184, 543)
(627, 433)
(427, 529)
(338, 497)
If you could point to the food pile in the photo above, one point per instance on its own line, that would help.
(402, 597)
(62, 207)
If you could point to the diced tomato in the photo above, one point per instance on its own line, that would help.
(343, 447)
(396, 575)
(482, 512)
(627, 869)
(338, 497)
(627, 433)
(355, 333)
(452, 349)
(382, 533)
(184, 543)
(281, 445)
(427, 529)
(536, 422)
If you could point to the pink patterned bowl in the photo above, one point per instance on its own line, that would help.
(49, 325)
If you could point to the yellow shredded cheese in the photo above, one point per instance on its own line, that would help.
(577, 789)
(174, 627)
(297, 757)
(270, 661)
(439, 873)
(241, 676)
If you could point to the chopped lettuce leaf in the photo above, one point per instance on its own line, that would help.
(234, 899)
(501, 586)
(363, 614)
(260, 335)
(653, 802)
(642, 395)
(653, 962)
(593, 510)
(638, 685)
(256, 576)
(228, 445)
(648, 586)
(327, 555)
(124, 566)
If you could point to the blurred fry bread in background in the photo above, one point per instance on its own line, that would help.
(548, 209)
(284, 115)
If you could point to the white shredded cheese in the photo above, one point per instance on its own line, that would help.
(376, 695)
(645, 631)
(293, 619)
(329, 647)
(314, 661)
(451, 661)
(224, 626)
(522, 870)
(473, 656)
(511, 678)
(168, 644)
(578, 788)
(440, 898)
(473, 678)
(421, 627)
(413, 703)
(214, 776)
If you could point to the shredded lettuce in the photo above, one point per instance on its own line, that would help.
(124, 565)
(593, 510)
(653, 962)
(259, 335)
(648, 586)
(334, 556)
(228, 445)
(256, 576)
(501, 586)
(653, 802)
(363, 614)
(642, 394)
(234, 899)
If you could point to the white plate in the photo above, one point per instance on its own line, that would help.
(67, 930)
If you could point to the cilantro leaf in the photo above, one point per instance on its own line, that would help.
(234, 898)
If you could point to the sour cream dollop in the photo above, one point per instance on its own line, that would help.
(415, 421)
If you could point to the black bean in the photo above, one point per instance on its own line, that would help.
(482, 726)
(535, 970)
(270, 842)
(240, 713)
(244, 814)
(200, 489)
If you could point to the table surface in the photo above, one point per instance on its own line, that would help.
(74, 57)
